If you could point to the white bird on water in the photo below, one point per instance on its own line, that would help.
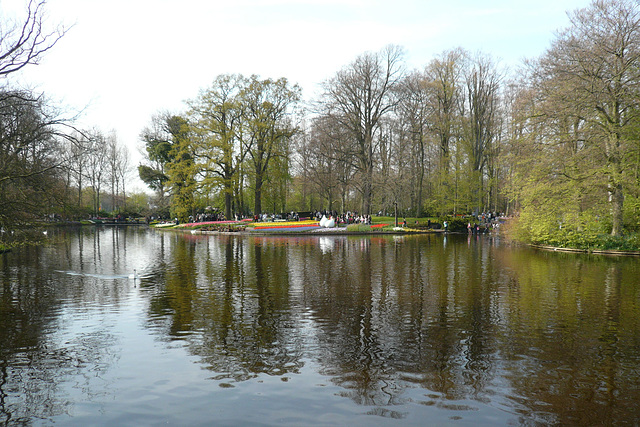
(134, 275)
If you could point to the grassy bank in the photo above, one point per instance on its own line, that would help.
(587, 237)
(576, 240)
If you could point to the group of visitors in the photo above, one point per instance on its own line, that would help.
(487, 221)
(291, 216)
(207, 217)
(489, 217)
(345, 218)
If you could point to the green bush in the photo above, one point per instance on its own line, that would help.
(632, 213)
(565, 238)
(456, 224)
(622, 243)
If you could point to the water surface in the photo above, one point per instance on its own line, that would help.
(319, 330)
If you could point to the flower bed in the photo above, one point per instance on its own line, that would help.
(287, 226)
(379, 225)
(297, 229)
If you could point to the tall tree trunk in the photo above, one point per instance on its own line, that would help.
(616, 198)
(257, 202)
(367, 191)
(228, 196)
(421, 155)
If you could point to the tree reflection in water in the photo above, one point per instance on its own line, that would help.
(384, 315)
(394, 323)
(236, 298)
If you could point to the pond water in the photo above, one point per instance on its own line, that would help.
(318, 330)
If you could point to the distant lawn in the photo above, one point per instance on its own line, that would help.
(410, 220)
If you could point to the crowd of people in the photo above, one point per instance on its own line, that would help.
(208, 216)
(345, 218)
(340, 219)
(482, 223)
(486, 222)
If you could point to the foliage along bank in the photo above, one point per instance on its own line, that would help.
(557, 145)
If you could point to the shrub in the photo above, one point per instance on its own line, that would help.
(455, 224)
(364, 228)
(358, 228)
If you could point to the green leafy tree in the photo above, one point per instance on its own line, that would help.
(268, 126)
(217, 118)
(159, 139)
(588, 84)
(181, 170)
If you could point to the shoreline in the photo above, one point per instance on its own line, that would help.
(585, 251)
(344, 232)
(321, 232)
(326, 232)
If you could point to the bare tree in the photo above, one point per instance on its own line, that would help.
(443, 80)
(97, 166)
(481, 123)
(123, 171)
(77, 160)
(30, 135)
(414, 116)
(29, 158)
(118, 165)
(430, 108)
(25, 42)
(324, 166)
(399, 171)
(357, 98)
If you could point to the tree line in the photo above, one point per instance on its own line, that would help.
(235, 135)
(378, 137)
(49, 168)
(555, 143)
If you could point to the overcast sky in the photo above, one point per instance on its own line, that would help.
(124, 60)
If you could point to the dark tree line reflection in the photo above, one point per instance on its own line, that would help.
(551, 337)
(231, 302)
(392, 321)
